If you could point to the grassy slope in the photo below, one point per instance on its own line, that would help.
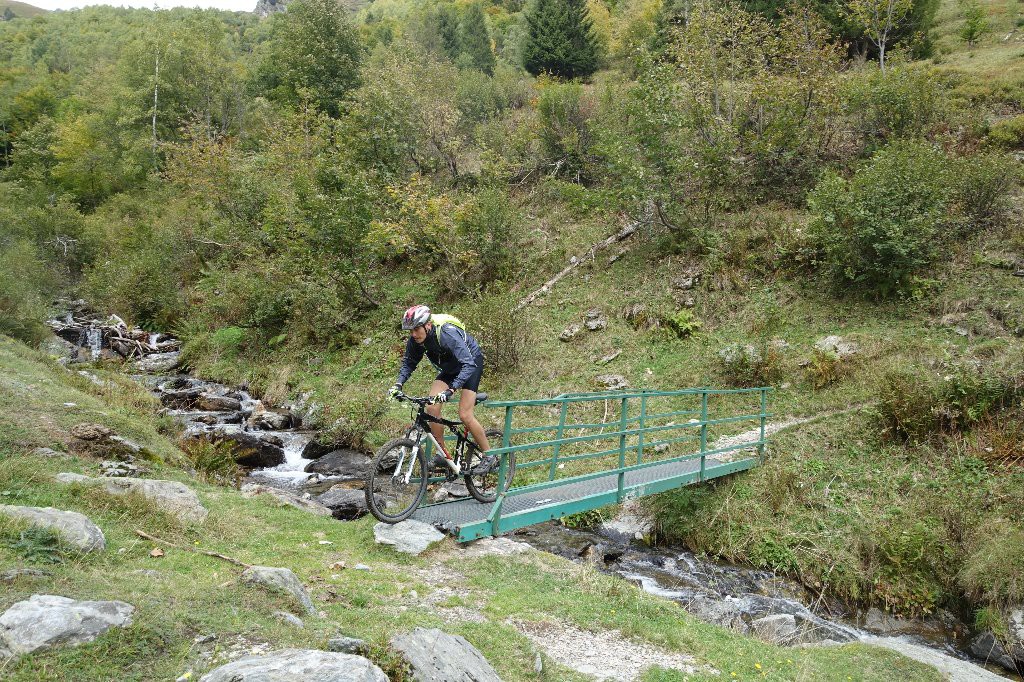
(196, 594)
(22, 10)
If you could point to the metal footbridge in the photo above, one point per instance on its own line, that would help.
(654, 441)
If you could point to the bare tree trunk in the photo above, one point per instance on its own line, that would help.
(156, 93)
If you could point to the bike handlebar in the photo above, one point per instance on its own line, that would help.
(422, 400)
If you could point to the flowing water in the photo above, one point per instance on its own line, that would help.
(736, 596)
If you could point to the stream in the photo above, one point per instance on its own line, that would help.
(282, 452)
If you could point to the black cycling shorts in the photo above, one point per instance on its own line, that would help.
(472, 383)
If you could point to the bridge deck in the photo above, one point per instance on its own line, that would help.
(467, 519)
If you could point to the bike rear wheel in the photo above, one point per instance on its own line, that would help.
(397, 480)
(484, 487)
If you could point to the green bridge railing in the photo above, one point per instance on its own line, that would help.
(647, 428)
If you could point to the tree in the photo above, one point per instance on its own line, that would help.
(879, 19)
(314, 54)
(475, 41)
(975, 23)
(446, 21)
(560, 39)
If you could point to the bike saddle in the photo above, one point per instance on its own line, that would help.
(480, 397)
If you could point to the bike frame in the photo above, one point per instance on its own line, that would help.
(419, 432)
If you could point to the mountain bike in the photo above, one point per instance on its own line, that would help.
(399, 475)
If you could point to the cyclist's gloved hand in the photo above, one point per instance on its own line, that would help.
(444, 396)
(394, 391)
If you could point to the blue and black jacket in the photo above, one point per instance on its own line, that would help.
(450, 350)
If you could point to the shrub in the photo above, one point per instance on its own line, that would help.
(683, 323)
(25, 282)
(915, 404)
(1008, 133)
(503, 333)
(992, 572)
(983, 186)
(215, 462)
(884, 225)
(565, 133)
(747, 365)
(824, 369)
(900, 102)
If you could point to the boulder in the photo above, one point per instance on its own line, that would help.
(99, 441)
(272, 419)
(989, 649)
(348, 464)
(410, 536)
(209, 402)
(279, 580)
(289, 618)
(250, 449)
(286, 498)
(345, 503)
(315, 449)
(298, 665)
(596, 325)
(73, 528)
(44, 621)
(836, 345)
(171, 497)
(777, 629)
(181, 399)
(47, 452)
(570, 332)
(436, 656)
(348, 645)
(157, 363)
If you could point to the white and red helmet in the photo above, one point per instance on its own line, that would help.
(415, 316)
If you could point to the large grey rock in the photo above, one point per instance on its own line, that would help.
(1015, 634)
(436, 656)
(171, 497)
(410, 537)
(286, 498)
(44, 621)
(157, 363)
(836, 345)
(272, 419)
(348, 645)
(777, 629)
(348, 464)
(570, 332)
(74, 528)
(257, 450)
(99, 441)
(212, 402)
(989, 649)
(279, 580)
(345, 503)
(298, 665)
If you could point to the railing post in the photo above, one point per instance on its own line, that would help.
(640, 436)
(764, 417)
(622, 449)
(703, 431)
(558, 436)
(506, 439)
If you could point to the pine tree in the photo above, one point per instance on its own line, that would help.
(475, 40)
(560, 39)
(447, 23)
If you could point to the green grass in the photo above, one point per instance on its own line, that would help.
(193, 594)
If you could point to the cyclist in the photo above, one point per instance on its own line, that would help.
(460, 364)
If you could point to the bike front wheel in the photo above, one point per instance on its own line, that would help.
(484, 487)
(397, 480)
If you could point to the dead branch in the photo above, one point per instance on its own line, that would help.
(217, 555)
(619, 236)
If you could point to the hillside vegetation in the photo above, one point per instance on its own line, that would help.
(183, 597)
(275, 192)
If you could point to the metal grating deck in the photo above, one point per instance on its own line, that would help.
(456, 515)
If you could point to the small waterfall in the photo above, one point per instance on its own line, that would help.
(69, 319)
(153, 339)
(95, 339)
(290, 472)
